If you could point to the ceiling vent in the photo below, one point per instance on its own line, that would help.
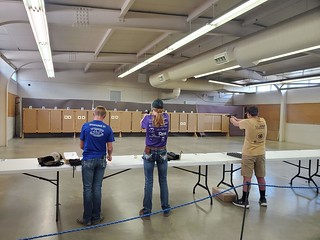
(221, 58)
(161, 78)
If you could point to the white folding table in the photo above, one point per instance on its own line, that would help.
(287, 156)
(30, 166)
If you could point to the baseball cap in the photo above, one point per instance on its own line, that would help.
(158, 103)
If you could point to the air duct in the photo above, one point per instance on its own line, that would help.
(173, 95)
(288, 36)
(293, 34)
(221, 58)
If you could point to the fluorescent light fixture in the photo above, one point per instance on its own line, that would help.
(217, 71)
(288, 54)
(247, 6)
(38, 21)
(224, 83)
(285, 81)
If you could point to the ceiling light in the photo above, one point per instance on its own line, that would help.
(288, 54)
(217, 71)
(198, 33)
(38, 21)
(224, 83)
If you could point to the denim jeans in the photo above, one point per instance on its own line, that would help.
(159, 157)
(92, 177)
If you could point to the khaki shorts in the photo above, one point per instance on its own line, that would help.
(250, 163)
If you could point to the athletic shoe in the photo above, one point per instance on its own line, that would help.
(80, 221)
(263, 202)
(95, 222)
(241, 203)
(141, 213)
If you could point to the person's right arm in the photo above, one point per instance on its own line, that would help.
(110, 150)
(81, 144)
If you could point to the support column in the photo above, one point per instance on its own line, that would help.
(3, 110)
(283, 116)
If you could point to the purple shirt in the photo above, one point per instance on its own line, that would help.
(156, 136)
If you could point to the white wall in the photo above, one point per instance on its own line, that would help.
(304, 95)
(273, 97)
(303, 134)
(295, 133)
(10, 127)
(79, 85)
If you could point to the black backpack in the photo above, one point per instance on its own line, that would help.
(173, 156)
(49, 161)
(75, 162)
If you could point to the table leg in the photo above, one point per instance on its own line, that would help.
(231, 171)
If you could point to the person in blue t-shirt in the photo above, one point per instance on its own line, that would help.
(157, 127)
(96, 140)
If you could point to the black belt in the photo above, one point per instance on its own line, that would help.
(157, 148)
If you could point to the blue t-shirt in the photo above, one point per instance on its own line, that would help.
(156, 136)
(95, 135)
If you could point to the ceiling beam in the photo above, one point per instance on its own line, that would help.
(145, 49)
(153, 43)
(102, 43)
(199, 10)
(125, 8)
(109, 18)
(265, 12)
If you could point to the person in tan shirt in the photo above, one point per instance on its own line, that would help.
(253, 154)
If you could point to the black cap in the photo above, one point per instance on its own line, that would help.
(157, 103)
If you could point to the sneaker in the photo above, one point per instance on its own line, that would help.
(80, 221)
(141, 213)
(263, 202)
(166, 214)
(95, 222)
(241, 203)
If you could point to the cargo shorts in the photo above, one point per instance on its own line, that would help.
(253, 163)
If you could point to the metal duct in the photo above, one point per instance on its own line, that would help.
(294, 34)
(173, 95)
(297, 33)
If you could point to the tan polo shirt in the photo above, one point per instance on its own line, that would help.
(255, 136)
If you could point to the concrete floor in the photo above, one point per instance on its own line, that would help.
(27, 205)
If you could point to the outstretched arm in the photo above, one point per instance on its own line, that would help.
(235, 121)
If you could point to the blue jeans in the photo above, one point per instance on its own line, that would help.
(149, 160)
(92, 177)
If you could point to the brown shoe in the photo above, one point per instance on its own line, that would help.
(95, 222)
(80, 221)
(141, 213)
(166, 214)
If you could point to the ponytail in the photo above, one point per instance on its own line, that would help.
(158, 120)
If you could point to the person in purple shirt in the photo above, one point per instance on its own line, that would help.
(157, 127)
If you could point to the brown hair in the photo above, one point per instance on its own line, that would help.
(100, 111)
(158, 120)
